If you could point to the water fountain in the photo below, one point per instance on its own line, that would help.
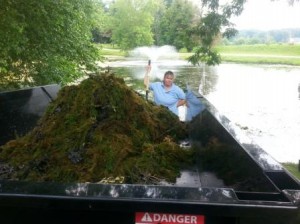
(162, 58)
(159, 55)
(155, 52)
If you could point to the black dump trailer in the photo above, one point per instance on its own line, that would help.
(235, 182)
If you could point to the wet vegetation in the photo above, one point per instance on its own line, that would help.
(99, 131)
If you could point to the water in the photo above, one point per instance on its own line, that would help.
(263, 100)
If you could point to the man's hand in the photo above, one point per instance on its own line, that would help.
(180, 103)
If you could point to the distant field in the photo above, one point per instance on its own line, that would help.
(273, 49)
(262, 54)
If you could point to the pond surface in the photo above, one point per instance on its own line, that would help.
(263, 100)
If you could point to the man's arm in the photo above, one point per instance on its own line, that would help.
(181, 95)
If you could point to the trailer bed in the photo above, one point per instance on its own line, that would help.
(267, 194)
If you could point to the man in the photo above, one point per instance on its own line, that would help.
(166, 93)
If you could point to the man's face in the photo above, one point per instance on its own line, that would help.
(168, 80)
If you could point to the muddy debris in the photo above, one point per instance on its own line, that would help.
(99, 131)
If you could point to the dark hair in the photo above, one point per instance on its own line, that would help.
(169, 73)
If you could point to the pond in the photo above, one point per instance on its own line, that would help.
(263, 100)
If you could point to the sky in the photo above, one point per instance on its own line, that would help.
(268, 15)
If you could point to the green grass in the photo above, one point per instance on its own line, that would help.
(293, 169)
(256, 59)
(262, 49)
(258, 54)
(111, 52)
(261, 54)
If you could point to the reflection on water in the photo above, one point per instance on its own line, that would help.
(263, 100)
(299, 90)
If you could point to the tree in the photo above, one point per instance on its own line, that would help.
(176, 25)
(158, 15)
(45, 41)
(215, 21)
(102, 30)
(132, 23)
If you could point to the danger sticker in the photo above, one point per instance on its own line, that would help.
(163, 218)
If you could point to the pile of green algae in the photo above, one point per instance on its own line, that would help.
(96, 131)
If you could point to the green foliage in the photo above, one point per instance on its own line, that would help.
(205, 54)
(132, 22)
(215, 22)
(176, 25)
(45, 41)
(180, 23)
(102, 25)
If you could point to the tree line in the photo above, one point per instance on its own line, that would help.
(130, 24)
(48, 41)
(251, 36)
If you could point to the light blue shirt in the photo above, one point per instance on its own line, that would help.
(168, 98)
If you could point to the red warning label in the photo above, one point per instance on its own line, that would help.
(163, 218)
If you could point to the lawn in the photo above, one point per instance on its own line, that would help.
(261, 49)
(293, 168)
(261, 54)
